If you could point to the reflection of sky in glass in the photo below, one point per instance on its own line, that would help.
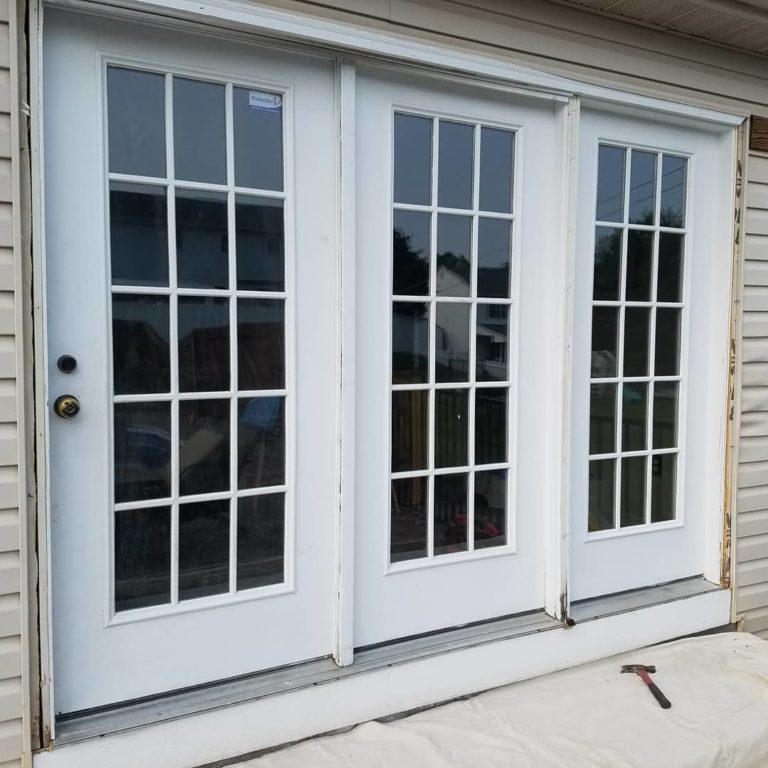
(610, 183)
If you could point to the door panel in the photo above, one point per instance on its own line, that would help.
(190, 249)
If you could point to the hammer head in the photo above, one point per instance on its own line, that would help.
(637, 667)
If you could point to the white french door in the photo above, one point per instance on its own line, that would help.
(457, 188)
(191, 305)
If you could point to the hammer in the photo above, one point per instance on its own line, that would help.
(643, 670)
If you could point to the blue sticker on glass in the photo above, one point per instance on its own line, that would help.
(267, 102)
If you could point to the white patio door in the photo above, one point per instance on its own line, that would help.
(191, 304)
(457, 189)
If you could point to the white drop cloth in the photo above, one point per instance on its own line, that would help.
(587, 716)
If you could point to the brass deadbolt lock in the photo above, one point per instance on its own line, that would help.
(66, 406)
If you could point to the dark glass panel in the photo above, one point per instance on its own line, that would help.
(454, 249)
(408, 528)
(451, 342)
(494, 249)
(602, 488)
(142, 558)
(202, 249)
(610, 183)
(260, 442)
(138, 234)
(257, 117)
(634, 418)
(491, 425)
(642, 188)
(667, 342)
(450, 531)
(663, 487)
(639, 265)
(410, 438)
(607, 263)
(665, 407)
(633, 490)
(261, 343)
(636, 341)
(410, 253)
(203, 549)
(602, 418)
(203, 446)
(673, 184)
(142, 451)
(260, 540)
(492, 342)
(497, 157)
(410, 342)
(203, 344)
(490, 508)
(260, 244)
(454, 169)
(451, 425)
(605, 339)
(199, 133)
(670, 281)
(136, 117)
(140, 351)
(413, 159)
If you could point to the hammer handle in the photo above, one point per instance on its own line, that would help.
(654, 689)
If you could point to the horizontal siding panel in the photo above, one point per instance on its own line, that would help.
(755, 325)
(757, 169)
(754, 375)
(756, 248)
(763, 635)
(755, 272)
(10, 740)
(753, 423)
(8, 410)
(9, 530)
(10, 573)
(753, 400)
(752, 499)
(753, 474)
(757, 195)
(10, 699)
(752, 548)
(750, 449)
(753, 349)
(9, 446)
(755, 298)
(10, 615)
(754, 596)
(755, 572)
(10, 657)
(756, 621)
(757, 222)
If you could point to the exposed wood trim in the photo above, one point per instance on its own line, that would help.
(758, 134)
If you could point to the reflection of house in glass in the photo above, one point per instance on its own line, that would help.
(491, 338)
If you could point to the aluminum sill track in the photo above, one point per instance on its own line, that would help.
(171, 706)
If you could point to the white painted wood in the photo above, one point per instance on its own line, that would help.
(99, 658)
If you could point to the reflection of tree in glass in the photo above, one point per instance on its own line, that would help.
(670, 217)
(607, 249)
(411, 265)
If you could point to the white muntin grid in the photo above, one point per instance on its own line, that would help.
(471, 385)
(174, 396)
(619, 380)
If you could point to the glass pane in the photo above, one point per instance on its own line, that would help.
(610, 183)
(140, 338)
(261, 343)
(260, 540)
(491, 425)
(413, 159)
(451, 425)
(260, 244)
(410, 253)
(258, 127)
(601, 494)
(454, 169)
(490, 508)
(492, 342)
(261, 442)
(663, 487)
(497, 156)
(203, 446)
(202, 259)
(665, 394)
(494, 248)
(408, 527)
(636, 340)
(203, 549)
(454, 249)
(450, 514)
(138, 234)
(199, 133)
(673, 183)
(667, 342)
(633, 490)
(136, 109)
(607, 263)
(602, 419)
(410, 342)
(452, 342)
(142, 558)
(410, 438)
(604, 341)
(642, 188)
(670, 282)
(634, 417)
(639, 265)
(203, 344)
(142, 451)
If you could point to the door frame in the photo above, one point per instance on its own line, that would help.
(292, 30)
